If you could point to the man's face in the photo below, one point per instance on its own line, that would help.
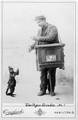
(41, 23)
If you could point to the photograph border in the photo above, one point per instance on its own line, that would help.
(2, 7)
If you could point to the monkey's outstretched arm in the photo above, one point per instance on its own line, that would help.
(17, 72)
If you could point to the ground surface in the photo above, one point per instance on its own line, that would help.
(28, 80)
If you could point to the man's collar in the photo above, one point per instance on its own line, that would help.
(44, 27)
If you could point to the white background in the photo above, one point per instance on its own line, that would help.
(19, 26)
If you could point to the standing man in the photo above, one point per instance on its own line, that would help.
(48, 34)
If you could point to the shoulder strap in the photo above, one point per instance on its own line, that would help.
(59, 38)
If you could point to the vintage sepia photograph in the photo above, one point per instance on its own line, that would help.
(38, 59)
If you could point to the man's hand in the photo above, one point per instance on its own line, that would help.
(39, 38)
(30, 49)
(35, 38)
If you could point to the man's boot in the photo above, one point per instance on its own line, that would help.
(41, 93)
(52, 93)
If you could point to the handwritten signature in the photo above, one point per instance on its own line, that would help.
(12, 112)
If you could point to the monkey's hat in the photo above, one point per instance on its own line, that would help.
(10, 67)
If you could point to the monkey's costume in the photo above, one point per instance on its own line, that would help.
(12, 81)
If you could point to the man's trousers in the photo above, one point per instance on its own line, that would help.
(48, 82)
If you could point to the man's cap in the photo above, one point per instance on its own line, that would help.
(40, 18)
